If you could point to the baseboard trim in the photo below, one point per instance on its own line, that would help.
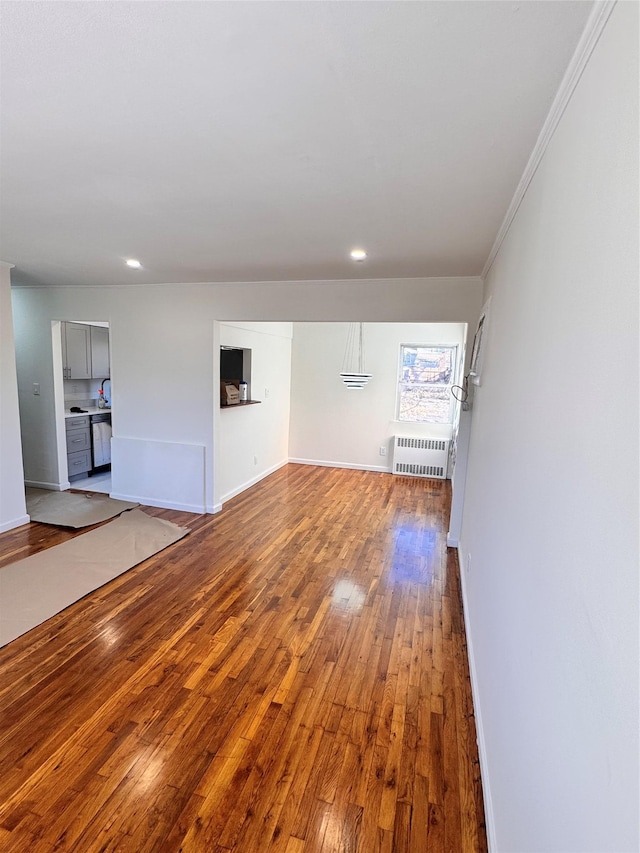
(251, 482)
(51, 487)
(475, 694)
(200, 509)
(453, 542)
(16, 522)
(326, 464)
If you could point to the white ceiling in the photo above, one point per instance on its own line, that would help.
(258, 141)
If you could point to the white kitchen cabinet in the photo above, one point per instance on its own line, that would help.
(76, 351)
(100, 352)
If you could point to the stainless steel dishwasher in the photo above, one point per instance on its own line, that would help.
(101, 440)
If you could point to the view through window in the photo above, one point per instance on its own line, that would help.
(424, 386)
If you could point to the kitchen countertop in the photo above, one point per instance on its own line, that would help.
(91, 410)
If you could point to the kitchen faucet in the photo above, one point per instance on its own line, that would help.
(102, 387)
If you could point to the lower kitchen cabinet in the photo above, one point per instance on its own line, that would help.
(78, 463)
(78, 446)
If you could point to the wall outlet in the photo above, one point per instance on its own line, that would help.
(266, 393)
(468, 563)
(255, 460)
(36, 387)
(383, 450)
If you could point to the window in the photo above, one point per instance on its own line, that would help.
(424, 384)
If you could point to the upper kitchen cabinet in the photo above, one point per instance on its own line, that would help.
(100, 352)
(76, 351)
(85, 351)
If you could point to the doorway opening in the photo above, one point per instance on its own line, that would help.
(83, 404)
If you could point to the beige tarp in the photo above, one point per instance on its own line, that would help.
(36, 588)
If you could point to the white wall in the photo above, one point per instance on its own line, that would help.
(162, 361)
(332, 425)
(162, 347)
(551, 511)
(253, 440)
(12, 504)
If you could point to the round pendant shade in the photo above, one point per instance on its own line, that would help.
(355, 380)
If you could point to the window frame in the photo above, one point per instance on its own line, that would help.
(454, 379)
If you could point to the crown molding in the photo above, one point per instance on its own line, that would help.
(593, 30)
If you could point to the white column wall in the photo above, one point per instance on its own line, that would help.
(551, 508)
(12, 504)
(253, 441)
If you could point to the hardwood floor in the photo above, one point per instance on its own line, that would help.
(290, 677)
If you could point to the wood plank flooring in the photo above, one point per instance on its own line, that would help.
(290, 677)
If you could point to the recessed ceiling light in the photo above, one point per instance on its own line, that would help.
(358, 254)
(135, 265)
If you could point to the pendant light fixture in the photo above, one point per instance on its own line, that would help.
(353, 370)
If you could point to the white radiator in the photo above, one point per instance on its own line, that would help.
(420, 457)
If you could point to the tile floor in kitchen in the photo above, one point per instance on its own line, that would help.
(98, 483)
